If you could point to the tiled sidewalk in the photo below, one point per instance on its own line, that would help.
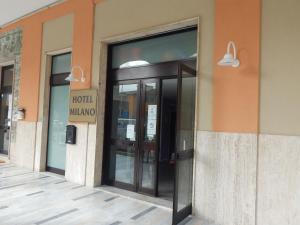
(42, 198)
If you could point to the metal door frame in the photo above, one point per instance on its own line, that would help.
(11, 66)
(55, 80)
(178, 216)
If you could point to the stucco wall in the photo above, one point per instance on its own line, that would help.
(232, 169)
(279, 149)
(236, 90)
(280, 74)
(151, 17)
(57, 35)
(32, 27)
(150, 14)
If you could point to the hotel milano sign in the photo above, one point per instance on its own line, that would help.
(83, 106)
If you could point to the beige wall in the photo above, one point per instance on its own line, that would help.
(57, 35)
(280, 76)
(151, 17)
(116, 20)
(279, 145)
(151, 14)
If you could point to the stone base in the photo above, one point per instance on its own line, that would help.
(225, 178)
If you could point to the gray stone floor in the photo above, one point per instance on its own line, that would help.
(44, 198)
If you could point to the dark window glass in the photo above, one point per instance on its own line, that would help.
(6, 105)
(61, 63)
(179, 46)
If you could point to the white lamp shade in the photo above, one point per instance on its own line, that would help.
(229, 59)
(71, 78)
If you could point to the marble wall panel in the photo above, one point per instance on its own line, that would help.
(225, 178)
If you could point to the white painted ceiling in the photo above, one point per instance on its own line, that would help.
(11, 10)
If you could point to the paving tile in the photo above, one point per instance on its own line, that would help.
(41, 198)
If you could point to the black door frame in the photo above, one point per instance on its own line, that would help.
(180, 215)
(140, 112)
(142, 135)
(108, 138)
(5, 90)
(55, 80)
(159, 71)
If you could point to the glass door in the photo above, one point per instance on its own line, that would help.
(184, 153)
(58, 120)
(149, 136)
(6, 108)
(58, 113)
(123, 134)
(133, 135)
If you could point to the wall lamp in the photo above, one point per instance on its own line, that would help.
(229, 59)
(72, 77)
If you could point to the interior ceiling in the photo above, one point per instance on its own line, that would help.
(11, 10)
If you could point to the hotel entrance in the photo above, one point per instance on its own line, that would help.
(150, 111)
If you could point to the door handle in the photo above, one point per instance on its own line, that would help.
(173, 156)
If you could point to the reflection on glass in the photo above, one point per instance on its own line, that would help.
(187, 114)
(150, 137)
(123, 133)
(179, 46)
(185, 183)
(61, 63)
(134, 63)
(5, 108)
(57, 127)
(185, 140)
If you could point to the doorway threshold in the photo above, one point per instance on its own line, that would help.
(159, 202)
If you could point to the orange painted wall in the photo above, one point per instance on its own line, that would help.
(236, 90)
(32, 45)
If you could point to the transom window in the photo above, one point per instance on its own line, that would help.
(167, 47)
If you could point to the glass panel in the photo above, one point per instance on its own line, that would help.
(185, 141)
(166, 166)
(5, 109)
(57, 127)
(178, 46)
(123, 133)
(185, 183)
(5, 121)
(61, 63)
(150, 137)
(7, 77)
(187, 114)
